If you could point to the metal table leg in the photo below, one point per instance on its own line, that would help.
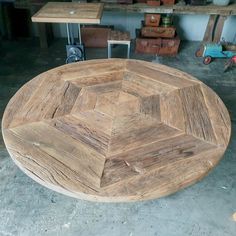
(75, 51)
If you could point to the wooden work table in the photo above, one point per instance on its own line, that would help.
(69, 12)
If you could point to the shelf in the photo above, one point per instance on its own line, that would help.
(175, 9)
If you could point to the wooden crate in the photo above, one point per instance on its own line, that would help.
(95, 36)
(156, 32)
(152, 19)
(158, 46)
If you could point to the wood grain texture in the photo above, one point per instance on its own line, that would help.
(69, 12)
(116, 130)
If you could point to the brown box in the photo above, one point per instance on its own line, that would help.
(152, 19)
(95, 36)
(156, 32)
(153, 3)
(159, 46)
(168, 2)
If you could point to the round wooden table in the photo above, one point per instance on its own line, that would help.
(116, 130)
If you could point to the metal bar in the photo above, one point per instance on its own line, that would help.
(79, 34)
(128, 50)
(109, 50)
(71, 34)
(68, 33)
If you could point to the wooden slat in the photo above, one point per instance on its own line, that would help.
(174, 9)
(96, 79)
(51, 99)
(219, 116)
(84, 71)
(158, 183)
(155, 155)
(154, 73)
(219, 29)
(69, 12)
(83, 132)
(195, 113)
(209, 32)
(87, 164)
(128, 123)
(139, 86)
(172, 110)
(116, 36)
(117, 104)
(14, 107)
(139, 137)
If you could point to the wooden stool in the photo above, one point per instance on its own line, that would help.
(118, 37)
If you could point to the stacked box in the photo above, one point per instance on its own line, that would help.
(155, 38)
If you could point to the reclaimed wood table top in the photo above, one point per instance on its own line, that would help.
(116, 129)
(69, 12)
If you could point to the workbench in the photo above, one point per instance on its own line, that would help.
(70, 13)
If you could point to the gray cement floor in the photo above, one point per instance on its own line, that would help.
(28, 209)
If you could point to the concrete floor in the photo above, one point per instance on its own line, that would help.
(27, 208)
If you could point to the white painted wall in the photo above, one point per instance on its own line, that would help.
(189, 27)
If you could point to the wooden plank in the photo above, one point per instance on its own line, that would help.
(85, 101)
(141, 86)
(96, 78)
(131, 122)
(219, 28)
(172, 110)
(116, 36)
(204, 9)
(69, 12)
(138, 7)
(83, 132)
(117, 104)
(51, 99)
(219, 116)
(156, 74)
(155, 155)
(158, 183)
(174, 9)
(15, 105)
(84, 71)
(209, 32)
(72, 154)
(139, 137)
(195, 113)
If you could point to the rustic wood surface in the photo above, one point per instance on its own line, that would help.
(69, 12)
(116, 130)
(116, 36)
(209, 9)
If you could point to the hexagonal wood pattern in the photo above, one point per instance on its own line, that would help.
(116, 130)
